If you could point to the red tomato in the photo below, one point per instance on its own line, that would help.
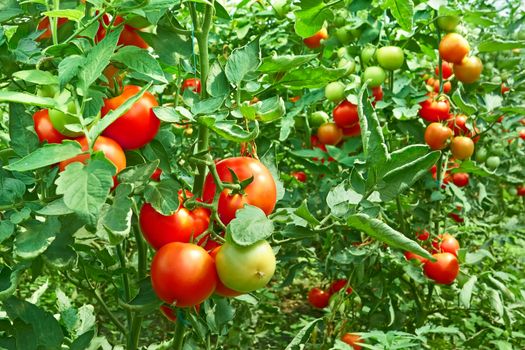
(377, 92)
(447, 70)
(437, 136)
(183, 274)
(504, 88)
(109, 147)
(353, 340)
(261, 192)
(462, 147)
(299, 175)
(345, 114)
(156, 174)
(444, 270)
(329, 134)
(447, 86)
(469, 70)
(136, 127)
(352, 131)
(423, 235)
(44, 128)
(128, 37)
(453, 48)
(445, 244)
(434, 110)
(337, 285)
(521, 190)
(318, 298)
(45, 24)
(181, 226)
(221, 289)
(294, 99)
(522, 134)
(168, 312)
(194, 84)
(456, 217)
(460, 179)
(314, 41)
(410, 256)
(459, 125)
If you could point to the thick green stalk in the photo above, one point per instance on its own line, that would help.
(178, 336)
(125, 279)
(135, 332)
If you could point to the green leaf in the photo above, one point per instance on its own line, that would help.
(402, 156)
(83, 341)
(7, 228)
(382, 232)
(36, 238)
(23, 138)
(492, 101)
(97, 60)
(163, 196)
(55, 208)
(60, 253)
(303, 335)
(35, 76)
(73, 15)
(229, 129)
(68, 68)
(284, 63)
(208, 106)
(496, 302)
(243, 61)
(499, 45)
(311, 77)
(340, 199)
(27, 99)
(465, 107)
(138, 174)
(9, 279)
(146, 301)
(217, 82)
(403, 12)
(85, 188)
(167, 114)
(270, 109)
(9, 9)
(304, 213)
(249, 226)
(115, 219)
(168, 45)
(311, 17)
(466, 292)
(140, 61)
(46, 155)
(12, 191)
(513, 109)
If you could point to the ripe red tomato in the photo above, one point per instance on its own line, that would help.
(339, 284)
(423, 235)
(447, 70)
(456, 217)
(128, 37)
(221, 289)
(447, 85)
(329, 134)
(345, 114)
(183, 274)
(444, 270)
(462, 147)
(460, 179)
(410, 256)
(521, 190)
(299, 175)
(318, 298)
(44, 128)
(314, 41)
(522, 134)
(109, 147)
(136, 127)
(446, 244)
(168, 312)
(156, 174)
(261, 192)
(353, 340)
(377, 92)
(453, 48)
(459, 125)
(434, 110)
(294, 99)
(194, 84)
(468, 70)
(504, 88)
(352, 131)
(437, 136)
(45, 25)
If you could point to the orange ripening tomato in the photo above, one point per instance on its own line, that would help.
(136, 127)
(453, 48)
(221, 289)
(329, 134)
(437, 136)
(462, 147)
(468, 70)
(45, 129)
(45, 25)
(111, 149)
(353, 340)
(314, 41)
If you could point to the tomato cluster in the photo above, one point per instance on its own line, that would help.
(454, 49)
(320, 298)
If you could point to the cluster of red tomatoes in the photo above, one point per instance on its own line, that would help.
(320, 298)
(444, 249)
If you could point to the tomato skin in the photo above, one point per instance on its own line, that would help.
(168, 312)
(345, 114)
(339, 284)
(493, 162)
(367, 53)
(335, 91)
(352, 131)
(329, 134)
(468, 70)
(504, 88)
(375, 74)
(390, 57)
(434, 110)
(447, 23)
(522, 134)
(183, 273)
(460, 179)
(462, 147)
(136, 127)
(44, 128)
(521, 190)
(317, 118)
(453, 48)
(437, 136)
(181, 226)
(447, 70)
(128, 37)
(194, 84)
(447, 86)
(377, 92)
(481, 155)
(318, 298)
(446, 244)
(444, 270)
(109, 147)
(221, 289)
(353, 340)
(459, 125)
(410, 256)
(423, 235)
(60, 119)
(245, 269)
(261, 192)
(156, 174)
(299, 175)
(314, 41)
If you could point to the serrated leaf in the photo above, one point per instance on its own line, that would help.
(163, 196)
(207, 106)
(499, 45)
(23, 139)
(311, 77)
(311, 17)
(115, 219)
(403, 12)
(35, 76)
(284, 63)
(303, 335)
(140, 61)
(138, 174)
(9, 279)
(466, 292)
(27, 99)
(340, 199)
(47, 155)
(242, 61)
(304, 213)
(229, 129)
(55, 208)
(36, 237)
(249, 226)
(465, 107)
(145, 301)
(217, 82)
(68, 68)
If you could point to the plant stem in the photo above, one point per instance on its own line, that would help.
(438, 204)
(440, 62)
(141, 246)
(178, 336)
(125, 279)
(401, 217)
(135, 332)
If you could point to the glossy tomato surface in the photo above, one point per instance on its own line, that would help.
(136, 127)
(318, 298)
(444, 270)
(345, 114)
(194, 84)
(353, 340)
(183, 274)
(44, 128)
(446, 244)
(221, 289)
(468, 70)
(453, 48)
(460, 179)
(462, 147)
(339, 284)
(447, 70)
(329, 134)
(434, 110)
(437, 136)
(314, 41)
(261, 192)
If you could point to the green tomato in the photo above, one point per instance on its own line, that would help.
(340, 20)
(375, 74)
(367, 53)
(448, 23)
(60, 119)
(342, 52)
(390, 57)
(513, 191)
(318, 118)
(335, 91)
(47, 90)
(493, 162)
(520, 34)
(497, 149)
(349, 64)
(344, 35)
(245, 269)
(356, 32)
(481, 155)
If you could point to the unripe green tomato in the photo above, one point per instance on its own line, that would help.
(318, 118)
(448, 23)
(356, 32)
(520, 34)
(375, 74)
(335, 91)
(493, 162)
(513, 191)
(60, 119)
(390, 57)
(349, 64)
(343, 35)
(340, 19)
(481, 155)
(367, 53)
(342, 52)
(47, 90)
(497, 149)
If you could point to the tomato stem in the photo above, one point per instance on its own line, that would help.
(125, 280)
(178, 336)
